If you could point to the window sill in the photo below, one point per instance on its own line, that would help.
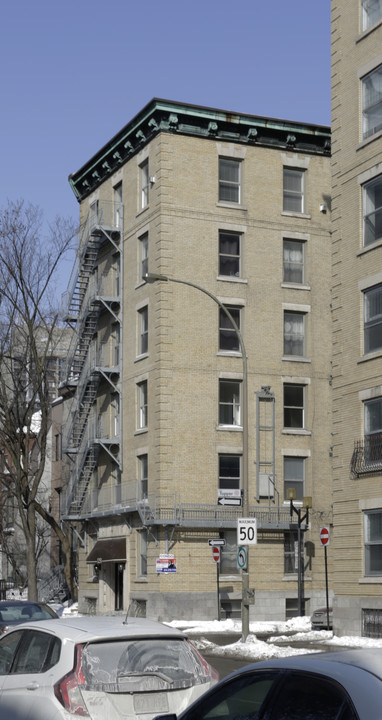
(140, 283)
(141, 357)
(367, 248)
(369, 30)
(370, 356)
(369, 140)
(141, 580)
(304, 216)
(142, 210)
(231, 206)
(231, 578)
(295, 431)
(232, 278)
(230, 428)
(295, 358)
(140, 431)
(377, 580)
(293, 577)
(295, 286)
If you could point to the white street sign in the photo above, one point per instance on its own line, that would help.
(246, 531)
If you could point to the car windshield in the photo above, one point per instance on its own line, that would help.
(22, 612)
(141, 665)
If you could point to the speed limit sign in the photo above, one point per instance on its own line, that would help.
(246, 531)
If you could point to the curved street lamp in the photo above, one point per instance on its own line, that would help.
(153, 277)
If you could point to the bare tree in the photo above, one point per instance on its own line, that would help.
(29, 332)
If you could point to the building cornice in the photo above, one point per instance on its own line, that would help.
(183, 119)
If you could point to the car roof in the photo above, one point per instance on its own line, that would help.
(93, 627)
(359, 671)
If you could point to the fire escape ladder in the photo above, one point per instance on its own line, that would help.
(84, 476)
(145, 511)
(80, 283)
(84, 336)
(85, 405)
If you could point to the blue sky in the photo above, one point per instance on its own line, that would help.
(74, 72)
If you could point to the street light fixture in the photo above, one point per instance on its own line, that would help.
(153, 277)
(306, 505)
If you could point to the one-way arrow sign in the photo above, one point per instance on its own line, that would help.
(229, 501)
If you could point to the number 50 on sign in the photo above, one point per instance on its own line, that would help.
(246, 531)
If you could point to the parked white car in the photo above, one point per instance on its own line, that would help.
(102, 668)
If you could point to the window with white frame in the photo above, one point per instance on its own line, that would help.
(229, 180)
(143, 330)
(293, 405)
(372, 323)
(117, 205)
(294, 476)
(229, 472)
(229, 402)
(373, 542)
(143, 468)
(143, 255)
(229, 253)
(294, 333)
(293, 261)
(144, 181)
(372, 211)
(372, 102)
(371, 12)
(373, 431)
(228, 339)
(142, 553)
(293, 190)
(142, 405)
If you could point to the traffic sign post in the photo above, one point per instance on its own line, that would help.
(325, 540)
(216, 559)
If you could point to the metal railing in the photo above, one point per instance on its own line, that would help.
(367, 455)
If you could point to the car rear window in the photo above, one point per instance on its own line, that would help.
(25, 612)
(141, 665)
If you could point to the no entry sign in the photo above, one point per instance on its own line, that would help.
(216, 554)
(324, 536)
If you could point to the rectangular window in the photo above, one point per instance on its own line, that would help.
(228, 339)
(229, 472)
(372, 211)
(143, 255)
(142, 405)
(143, 330)
(93, 214)
(293, 406)
(290, 553)
(294, 474)
(57, 447)
(372, 330)
(144, 183)
(143, 464)
(229, 254)
(372, 102)
(293, 261)
(371, 12)
(228, 554)
(229, 402)
(293, 196)
(229, 180)
(294, 332)
(142, 551)
(117, 205)
(373, 542)
(373, 432)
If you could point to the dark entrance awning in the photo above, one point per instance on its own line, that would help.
(111, 550)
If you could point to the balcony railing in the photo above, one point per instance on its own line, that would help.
(367, 455)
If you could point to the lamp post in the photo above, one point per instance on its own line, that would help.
(306, 504)
(153, 277)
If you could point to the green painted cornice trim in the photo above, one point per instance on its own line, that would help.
(183, 119)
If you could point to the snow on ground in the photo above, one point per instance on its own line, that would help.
(296, 630)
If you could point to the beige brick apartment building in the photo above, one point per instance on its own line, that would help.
(239, 206)
(357, 313)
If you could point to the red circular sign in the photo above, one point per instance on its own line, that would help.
(216, 554)
(324, 535)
